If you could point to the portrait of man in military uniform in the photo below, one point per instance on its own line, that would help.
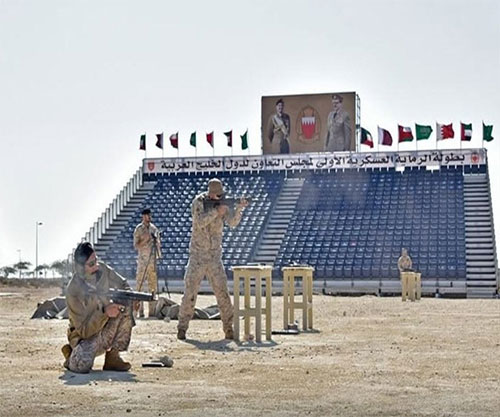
(339, 132)
(278, 130)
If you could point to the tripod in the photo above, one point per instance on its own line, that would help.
(153, 256)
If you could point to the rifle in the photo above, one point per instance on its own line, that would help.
(231, 202)
(126, 296)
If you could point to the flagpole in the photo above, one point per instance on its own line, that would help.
(213, 144)
(177, 145)
(162, 145)
(482, 140)
(461, 137)
(145, 147)
(436, 136)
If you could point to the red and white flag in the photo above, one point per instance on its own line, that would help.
(384, 137)
(210, 138)
(405, 134)
(174, 140)
(444, 131)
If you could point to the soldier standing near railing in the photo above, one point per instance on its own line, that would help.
(205, 257)
(148, 246)
(404, 261)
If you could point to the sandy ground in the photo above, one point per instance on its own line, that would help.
(369, 356)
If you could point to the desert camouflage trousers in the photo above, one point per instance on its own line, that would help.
(214, 271)
(146, 272)
(114, 335)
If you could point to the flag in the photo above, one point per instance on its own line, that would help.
(366, 138)
(466, 131)
(422, 131)
(244, 140)
(174, 140)
(384, 137)
(192, 139)
(487, 132)
(444, 131)
(405, 134)
(159, 140)
(210, 138)
(229, 136)
(142, 143)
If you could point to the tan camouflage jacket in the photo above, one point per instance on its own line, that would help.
(143, 241)
(85, 308)
(404, 263)
(207, 229)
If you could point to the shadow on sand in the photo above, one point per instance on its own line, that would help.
(71, 378)
(226, 345)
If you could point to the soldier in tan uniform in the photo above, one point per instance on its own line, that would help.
(148, 246)
(404, 261)
(338, 136)
(278, 130)
(96, 326)
(205, 257)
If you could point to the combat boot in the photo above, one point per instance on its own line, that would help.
(66, 351)
(229, 334)
(181, 334)
(113, 362)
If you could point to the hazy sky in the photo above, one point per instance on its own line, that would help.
(81, 80)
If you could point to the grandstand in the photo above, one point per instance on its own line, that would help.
(346, 214)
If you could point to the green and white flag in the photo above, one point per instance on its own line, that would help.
(487, 132)
(244, 140)
(422, 131)
(192, 140)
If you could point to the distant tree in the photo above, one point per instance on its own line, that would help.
(7, 270)
(60, 267)
(22, 266)
(43, 268)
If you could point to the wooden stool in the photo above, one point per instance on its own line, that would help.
(289, 303)
(411, 285)
(418, 285)
(261, 275)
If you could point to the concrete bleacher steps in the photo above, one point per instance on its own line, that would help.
(349, 224)
(481, 260)
(279, 219)
(116, 227)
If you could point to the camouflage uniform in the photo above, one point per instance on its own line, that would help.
(91, 332)
(205, 259)
(404, 262)
(146, 260)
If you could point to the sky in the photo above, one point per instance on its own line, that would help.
(80, 81)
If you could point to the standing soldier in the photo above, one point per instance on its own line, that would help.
(148, 246)
(205, 257)
(404, 261)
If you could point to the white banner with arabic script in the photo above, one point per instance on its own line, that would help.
(340, 160)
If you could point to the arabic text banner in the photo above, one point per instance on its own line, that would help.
(341, 160)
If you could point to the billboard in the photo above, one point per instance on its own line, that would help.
(309, 123)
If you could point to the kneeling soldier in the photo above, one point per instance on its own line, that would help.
(96, 326)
